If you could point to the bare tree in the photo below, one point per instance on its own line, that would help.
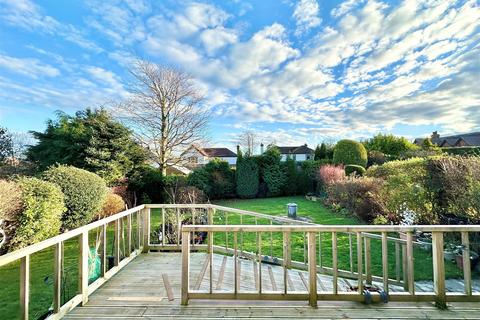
(248, 140)
(164, 108)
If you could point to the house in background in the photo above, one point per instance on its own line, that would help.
(297, 153)
(460, 140)
(198, 156)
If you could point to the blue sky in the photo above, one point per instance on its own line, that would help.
(293, 71)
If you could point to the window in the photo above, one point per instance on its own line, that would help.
(192, 160)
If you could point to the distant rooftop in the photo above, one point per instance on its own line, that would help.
(459, 140)
(304, 149)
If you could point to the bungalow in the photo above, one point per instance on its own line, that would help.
(460, 140)
(198, 156)
(297, 153)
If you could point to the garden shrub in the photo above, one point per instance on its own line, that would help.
(113, 204)
(40, 218)
(84, 192)
(376, 158)
(11, 206)
(216, 179)
(360, 196)
(355, 170)
(350, 152)
(275, 180)
(147, 185)
(247, 177)
(291, 177)
(472, 151)
(328, 174)
(454, 182)
(415, 167)
(389, 145)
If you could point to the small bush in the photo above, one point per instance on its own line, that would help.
(84, 192)
(113, 204)
(376, 158)
(328, 174)
(40, 219)
(350, 152)
(354, 170)
(10, 200)
(247, 177)
(360, 196)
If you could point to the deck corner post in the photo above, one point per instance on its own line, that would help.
(57, 281)
(185, 266)
(312, 269)
(146, 229)
(438, 270)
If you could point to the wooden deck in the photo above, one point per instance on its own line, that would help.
(149, 287)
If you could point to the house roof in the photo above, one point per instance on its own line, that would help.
(304, 149)
(471, 139)
(216, 152)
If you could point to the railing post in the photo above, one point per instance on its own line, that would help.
(163, 226)
(405, 267)
(83, 266)
(57, 281)
(385, 261)
(179, 226)
(24, 286)
(410, 264)
(438, 269)
(116, 249)
(286, 258)
(210, 256)
(467, 271)
(359, 263)
(129, 235)
(185, 266)
(146, 229)
(103, 249)
(368, 261)
(397, 261)
(236, 279)
(334, 263)
(312, 269)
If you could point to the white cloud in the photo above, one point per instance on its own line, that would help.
(32, 68)
(306, 14)
(27, 15)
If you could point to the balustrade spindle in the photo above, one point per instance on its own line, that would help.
(259, 258)
(103, 250)
(438, 268)
(185, 267)
(359, 263)
(312, 269)
(350, 252)
(117, 243)
(57, 281)
(83, 267)
(235, 260)
(410, 264)
(129, 235)
(24, 287)
(163, 226)
(467, 271)
(368, 260)
(286, 258)
(334, 263)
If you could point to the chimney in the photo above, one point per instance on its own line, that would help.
(435, 135)
(261, 148)
(238, 149)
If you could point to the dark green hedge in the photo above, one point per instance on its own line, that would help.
(475, 151)
(247, 177)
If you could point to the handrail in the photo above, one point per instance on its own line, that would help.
(331, 228)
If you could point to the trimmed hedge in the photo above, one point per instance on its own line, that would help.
(84, 192)
(216, 179)
(275, 179)
(40, 219)
(247, 177)
(350, 152)
(353, 169)
(474, 151)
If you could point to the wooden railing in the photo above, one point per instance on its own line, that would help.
(438, 295)
(122, 224)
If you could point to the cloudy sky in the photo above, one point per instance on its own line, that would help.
(294, 71)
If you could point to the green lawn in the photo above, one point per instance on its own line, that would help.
(321, 215)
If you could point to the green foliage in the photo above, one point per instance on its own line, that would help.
(389, 145)
(350, 152)
(147, 184)
(323, 151)
(6, 144)
(43, 206)
(291, 177)
(376, 158)
(473, 151)
(90, 140)
(247, 177)
(275, 179)
(355, 170)
(84, 192)
(428, 145)
(455, 185)
(216, 179)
